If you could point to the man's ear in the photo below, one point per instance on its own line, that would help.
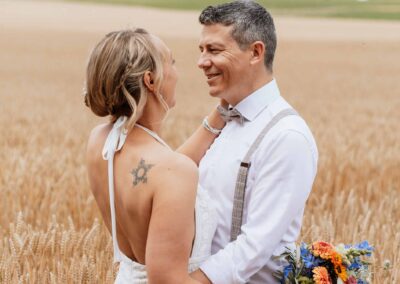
(148, 81)
(258, 52)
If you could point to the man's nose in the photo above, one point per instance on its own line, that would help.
(204, 61)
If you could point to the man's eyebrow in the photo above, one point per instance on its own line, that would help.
(213, 44)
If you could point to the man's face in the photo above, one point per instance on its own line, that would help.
(223, 62)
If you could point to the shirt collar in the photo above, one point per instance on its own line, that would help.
(251, 106)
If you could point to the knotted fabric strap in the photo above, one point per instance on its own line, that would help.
(240, 189)
(230, 114)
(114, 142)
(116, 138)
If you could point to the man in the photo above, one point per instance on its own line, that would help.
(237, 45)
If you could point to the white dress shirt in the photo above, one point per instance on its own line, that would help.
(280, 179)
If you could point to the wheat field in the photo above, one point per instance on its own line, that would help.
(342, 76)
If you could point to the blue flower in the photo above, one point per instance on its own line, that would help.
(304, 250)
(364, 246)
(309, 260)
(356, 264)
(287, 270)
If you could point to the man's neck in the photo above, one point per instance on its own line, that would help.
(253, 86)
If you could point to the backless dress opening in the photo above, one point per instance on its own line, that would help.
(205, 214)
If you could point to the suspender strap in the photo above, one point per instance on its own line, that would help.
(240, 189)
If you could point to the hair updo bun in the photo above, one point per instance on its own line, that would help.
(114, 75)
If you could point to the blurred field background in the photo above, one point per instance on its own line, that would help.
(367, 9)
(341, 75)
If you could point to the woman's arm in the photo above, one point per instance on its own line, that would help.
(172, 226)
(197, 144)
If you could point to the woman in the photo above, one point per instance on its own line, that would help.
(146, 192)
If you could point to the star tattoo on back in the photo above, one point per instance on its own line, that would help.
(140, 173)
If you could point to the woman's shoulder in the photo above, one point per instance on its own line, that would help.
(97, 138)
(173, 163)
(175, 170)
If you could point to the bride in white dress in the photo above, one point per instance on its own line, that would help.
(161, 222)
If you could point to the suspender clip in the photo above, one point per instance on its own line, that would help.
(245, 165)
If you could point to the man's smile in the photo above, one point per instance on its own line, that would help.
(212, 76)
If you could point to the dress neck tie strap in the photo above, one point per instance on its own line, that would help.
(154, 135)
(114, 142)
(116, 138)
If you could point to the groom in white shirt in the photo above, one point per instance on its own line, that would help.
(237, 45)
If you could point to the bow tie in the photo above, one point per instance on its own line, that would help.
(230, 114)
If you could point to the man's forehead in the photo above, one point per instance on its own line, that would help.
(215, 34)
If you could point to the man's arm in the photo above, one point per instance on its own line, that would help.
(284, 173)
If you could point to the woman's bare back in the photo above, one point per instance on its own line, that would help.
(137, 168)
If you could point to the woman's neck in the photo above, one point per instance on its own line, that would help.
(151, 124)
(153, 117)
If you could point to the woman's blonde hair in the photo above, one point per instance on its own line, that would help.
(115, 71)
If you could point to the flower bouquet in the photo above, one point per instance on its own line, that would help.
(323, 263)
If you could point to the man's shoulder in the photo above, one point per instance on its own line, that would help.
(290, 140)
(294, 122)
(289, 128)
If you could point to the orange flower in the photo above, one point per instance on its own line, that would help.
(339, 267)
(323, 250)
(321, 276)
(327, 251)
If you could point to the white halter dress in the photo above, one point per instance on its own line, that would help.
(205, 214)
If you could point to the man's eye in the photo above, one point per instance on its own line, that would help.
(214, 50)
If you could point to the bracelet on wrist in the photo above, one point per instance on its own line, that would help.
(207, 126)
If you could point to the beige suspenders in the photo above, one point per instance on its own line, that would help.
(240, 189)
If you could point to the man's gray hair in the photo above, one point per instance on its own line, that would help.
(250, 21)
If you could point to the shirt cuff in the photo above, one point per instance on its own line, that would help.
(216, 274)
(213, 273)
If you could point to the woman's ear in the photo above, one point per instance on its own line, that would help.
(148, 81)
(258, 52)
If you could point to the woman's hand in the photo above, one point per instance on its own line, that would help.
(224, 104)
(214, 118)
(197, 144)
